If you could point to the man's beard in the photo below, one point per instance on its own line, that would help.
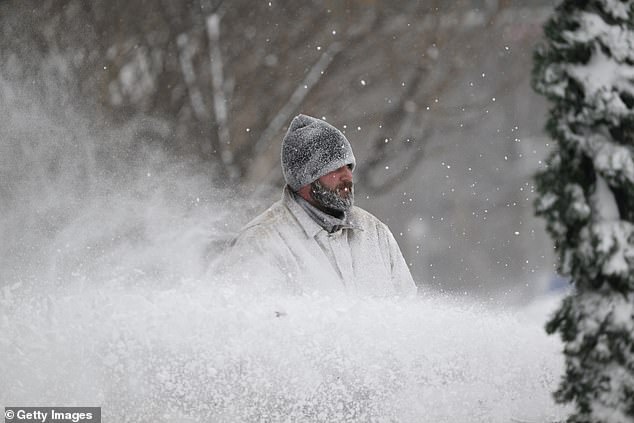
(339, 199)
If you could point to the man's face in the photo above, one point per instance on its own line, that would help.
(334, 190)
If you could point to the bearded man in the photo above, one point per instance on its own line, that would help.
(314, 238)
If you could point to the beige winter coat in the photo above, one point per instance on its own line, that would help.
(285, 248)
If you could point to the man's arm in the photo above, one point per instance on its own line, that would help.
(401, 276)
(251, 261)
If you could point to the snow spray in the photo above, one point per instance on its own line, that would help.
(103, 303)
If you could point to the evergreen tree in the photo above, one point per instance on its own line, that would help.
(586, 194)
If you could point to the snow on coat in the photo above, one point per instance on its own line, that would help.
(285, 249)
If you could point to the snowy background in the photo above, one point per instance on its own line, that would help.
(434, 97)
(131, 152)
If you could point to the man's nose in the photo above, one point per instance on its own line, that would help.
(346, 174)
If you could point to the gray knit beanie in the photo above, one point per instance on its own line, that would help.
(312, 148)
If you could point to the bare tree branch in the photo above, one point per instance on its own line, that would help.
(412, 162)
(189, 76)
(296, 99)
(219, 98)
(398, 120)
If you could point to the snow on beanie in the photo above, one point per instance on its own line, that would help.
(312, 148)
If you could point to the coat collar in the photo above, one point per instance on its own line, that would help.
(310, 224)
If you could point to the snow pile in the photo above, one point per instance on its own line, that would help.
(196, 352)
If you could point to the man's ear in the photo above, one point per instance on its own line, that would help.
(305, 193)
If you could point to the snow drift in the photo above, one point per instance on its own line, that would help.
(195, 353)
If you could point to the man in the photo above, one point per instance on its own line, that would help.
(314, 239)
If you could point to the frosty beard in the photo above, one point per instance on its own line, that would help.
(339, 199)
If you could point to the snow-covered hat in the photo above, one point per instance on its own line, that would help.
(312, 148)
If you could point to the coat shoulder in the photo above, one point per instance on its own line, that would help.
(266, 221)
(367, 220)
